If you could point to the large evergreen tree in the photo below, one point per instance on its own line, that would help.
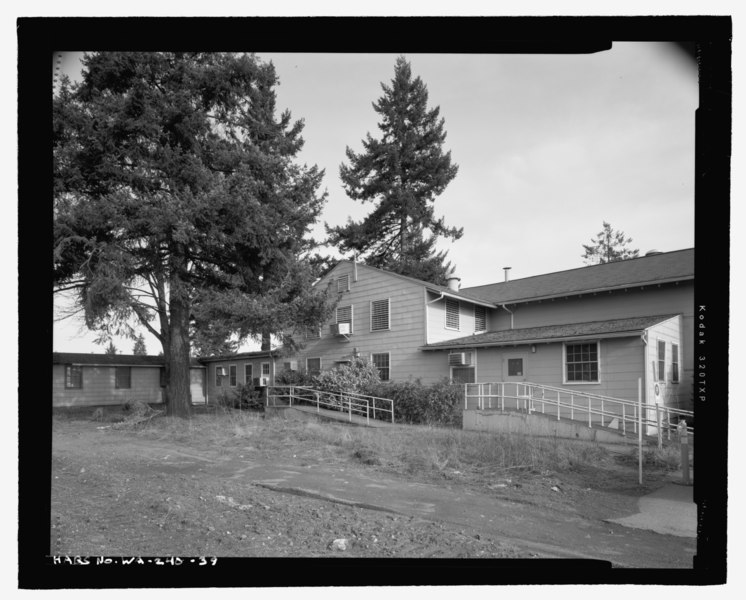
(609, 246)
(402, 172)
(177, 204)
(139, 348)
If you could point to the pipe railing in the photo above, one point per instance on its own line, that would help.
(351, 403)
(595, 408)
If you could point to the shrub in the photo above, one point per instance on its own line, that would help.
(243, 396)
(415, 403)
(294, 378)
(356, 376)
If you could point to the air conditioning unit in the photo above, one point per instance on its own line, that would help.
(222, 372)
(291, 365)
(261, 381)
(340, 328)
(459, 359)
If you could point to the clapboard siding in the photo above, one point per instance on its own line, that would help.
(214, 392)
(436, 320)
(406, 333)
(651, 301)
(676, 395)
(99, 387)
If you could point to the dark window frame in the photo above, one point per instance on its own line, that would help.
(582, 362)
(76, 382)
(120, 381)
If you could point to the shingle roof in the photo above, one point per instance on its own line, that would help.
(553, 333)
(646, 270)
(125, 360)
(239, 356)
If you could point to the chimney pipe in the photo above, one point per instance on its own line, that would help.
(453, 282)
(507, 273)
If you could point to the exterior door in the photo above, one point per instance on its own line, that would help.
(514, 367)
(197, 385)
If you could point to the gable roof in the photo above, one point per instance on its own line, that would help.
(553, 333)
(112, 360)
(655, 269)
(437, 289)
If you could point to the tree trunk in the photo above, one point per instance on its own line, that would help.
(178, 393)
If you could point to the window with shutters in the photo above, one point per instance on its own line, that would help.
(343, 283)
(344, 315)
(382, 362)
(452, 314)
(480, 318)
(123, 378)
(73, 377)
(313, 366)
(379, 315)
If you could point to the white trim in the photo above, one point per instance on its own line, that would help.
(388, 315)
(564, 362)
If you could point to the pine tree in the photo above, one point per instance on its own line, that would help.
(139, 349)
(403, 172)
(609, 246)
(177, 204)
(111, 349)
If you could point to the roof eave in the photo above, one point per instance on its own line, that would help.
(522, 342)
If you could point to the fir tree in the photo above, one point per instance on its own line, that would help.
(609, 246)
(177, 204)
(402, 172)
(139, 349)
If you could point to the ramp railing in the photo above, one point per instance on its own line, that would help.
(590, 408)
(352, 403)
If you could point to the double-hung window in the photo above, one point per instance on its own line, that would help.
(248, 373)
(452, 314)
(218, 376)
(382, 362)
(379, 315)
(123, 378)
(661, 360)
(581, 363)
(73, 377)
(674, 363)
(232, 379)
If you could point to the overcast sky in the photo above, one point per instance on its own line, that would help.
(548, 147)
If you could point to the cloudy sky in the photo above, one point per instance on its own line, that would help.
(548, 147)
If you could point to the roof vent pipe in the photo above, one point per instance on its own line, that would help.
(507, 273)
(453, 282)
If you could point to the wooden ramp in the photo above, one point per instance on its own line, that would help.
(323, 413)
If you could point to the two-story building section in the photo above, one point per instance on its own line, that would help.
(596, 329)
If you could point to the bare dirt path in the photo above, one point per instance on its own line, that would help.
(120, 493)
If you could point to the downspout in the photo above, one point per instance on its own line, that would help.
(511, 314)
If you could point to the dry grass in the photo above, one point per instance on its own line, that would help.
(405, 449)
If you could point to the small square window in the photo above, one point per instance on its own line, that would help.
(313, 366)
(515, 367)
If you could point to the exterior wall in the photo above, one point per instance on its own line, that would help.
(674, 395)
(436, 320)
(406, 333)
(214, 391)
(99, 387)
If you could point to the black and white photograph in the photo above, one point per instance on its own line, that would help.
(339, 306)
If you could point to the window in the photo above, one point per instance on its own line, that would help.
(123, 378)
(248, 373)
(452, 314)
(312, 334)
(661, 360)
(265, 369)
(343, 283)
(218, 376)
(73, 377)
(232, 379)
(379, 315)
(581, 362)
(344, 315)
(674, 363)
(480, 318)
(381, 362)
(463, 375)
(313, 366)
(515, 367)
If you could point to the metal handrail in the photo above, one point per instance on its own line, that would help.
(352, 403)
(587, 405)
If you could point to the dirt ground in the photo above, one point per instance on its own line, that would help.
(150, 492)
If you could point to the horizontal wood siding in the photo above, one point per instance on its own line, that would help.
(214, 392)
(436, 320)
(99, 387)
(402, 340)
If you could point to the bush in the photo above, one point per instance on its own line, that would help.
(415, 403)
(244, 397)
(356, 376)
(294, 378)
